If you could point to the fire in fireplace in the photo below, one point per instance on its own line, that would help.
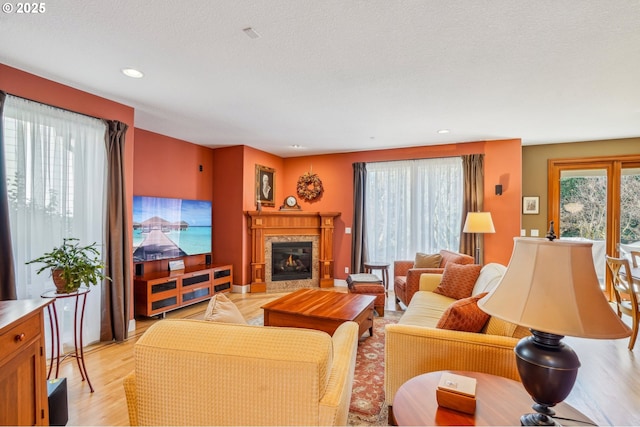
(291, 260)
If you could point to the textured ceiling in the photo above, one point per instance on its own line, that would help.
(346, 75)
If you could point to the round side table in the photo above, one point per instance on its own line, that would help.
(384, 267)
(499, 401)
(80, 297)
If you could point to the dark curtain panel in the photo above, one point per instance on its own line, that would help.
(7, 272)
(115, 295)
(358, 242)
(473, 169)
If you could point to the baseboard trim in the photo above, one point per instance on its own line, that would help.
(240, 289)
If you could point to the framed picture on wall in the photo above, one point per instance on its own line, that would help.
(265, 185)
(531, 205)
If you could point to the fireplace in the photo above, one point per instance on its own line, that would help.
(268, 227)
(291, 260)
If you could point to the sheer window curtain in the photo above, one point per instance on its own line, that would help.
(55, 162)
(413, 206)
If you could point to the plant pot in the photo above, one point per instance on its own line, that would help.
(58, 280)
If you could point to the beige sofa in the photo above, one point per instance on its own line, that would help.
(191, 372)
(414, 345)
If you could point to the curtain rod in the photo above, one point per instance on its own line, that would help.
(421, 158)
(56, 107)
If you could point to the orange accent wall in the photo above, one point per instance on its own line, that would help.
(228, 204)
(169, 167)
(503, 165)
(502, 161)
(234, 165)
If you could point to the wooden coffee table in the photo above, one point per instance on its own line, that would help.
(321, 310)
(499, 401)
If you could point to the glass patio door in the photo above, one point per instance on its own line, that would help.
(597, 200)
(583, 212)
(629, 227)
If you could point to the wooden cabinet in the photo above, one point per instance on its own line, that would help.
(23, 377)
(159, 292)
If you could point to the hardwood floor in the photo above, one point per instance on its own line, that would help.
(607, 389)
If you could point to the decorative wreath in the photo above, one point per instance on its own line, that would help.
(309, 186)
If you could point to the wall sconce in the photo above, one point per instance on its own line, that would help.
(499, 190)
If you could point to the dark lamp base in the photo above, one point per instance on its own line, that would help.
(537, 420)
(548, 370)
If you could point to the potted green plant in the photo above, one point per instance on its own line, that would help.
(72, 265)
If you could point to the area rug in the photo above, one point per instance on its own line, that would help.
(367, 397)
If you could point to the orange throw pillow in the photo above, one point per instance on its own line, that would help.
(464, 315)
(458, 280)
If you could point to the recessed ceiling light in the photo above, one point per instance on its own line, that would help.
(133, 73)
(251, 33)
(442, 131)
(296, 146)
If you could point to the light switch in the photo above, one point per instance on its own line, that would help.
(534, 232)
(523, 233)
(347, 230)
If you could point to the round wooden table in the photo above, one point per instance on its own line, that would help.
(499, 401)
(384, 267)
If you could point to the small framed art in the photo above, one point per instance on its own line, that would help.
(531, 205)
(265, 185)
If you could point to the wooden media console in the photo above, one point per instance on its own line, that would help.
(161, 291)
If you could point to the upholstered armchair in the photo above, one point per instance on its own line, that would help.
(192, 372)
(406, 280)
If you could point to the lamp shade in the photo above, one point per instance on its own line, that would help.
(551, 286)
(478, 222)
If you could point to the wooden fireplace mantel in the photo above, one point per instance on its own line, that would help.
(288, 223)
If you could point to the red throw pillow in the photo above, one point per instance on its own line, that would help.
(464, 315)
(458, 280)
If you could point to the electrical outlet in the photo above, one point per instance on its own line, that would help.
(346, 270)
(523, 233)
(347, 230)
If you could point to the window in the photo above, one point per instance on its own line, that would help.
(596, 200)
(413, 206)
(56, 170)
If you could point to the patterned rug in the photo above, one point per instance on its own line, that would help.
(367, 397)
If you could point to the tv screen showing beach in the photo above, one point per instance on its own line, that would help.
(166, 228)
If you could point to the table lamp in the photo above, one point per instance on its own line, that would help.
(551, 287)
(479, 223)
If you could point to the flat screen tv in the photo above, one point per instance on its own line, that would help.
(165, 228)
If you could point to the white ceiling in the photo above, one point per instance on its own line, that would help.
(346, 75)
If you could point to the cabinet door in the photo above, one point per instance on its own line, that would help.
(22, 382)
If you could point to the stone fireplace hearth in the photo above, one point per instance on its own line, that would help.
(291, 226)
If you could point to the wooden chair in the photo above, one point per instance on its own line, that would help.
(635, 258)
(626, 290)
